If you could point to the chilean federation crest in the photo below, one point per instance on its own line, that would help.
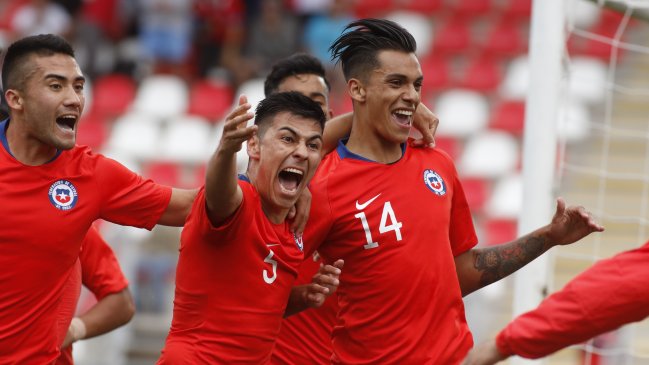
(63, 195)
(298, 241)
(434, 182)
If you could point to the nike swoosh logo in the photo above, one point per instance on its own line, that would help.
(362, 206)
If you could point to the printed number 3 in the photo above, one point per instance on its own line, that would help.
(388, 213)
(269, 260)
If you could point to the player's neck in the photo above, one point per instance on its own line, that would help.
(26, 149)
(368, 144)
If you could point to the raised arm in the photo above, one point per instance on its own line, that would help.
(480, 267)
(222, 192)
(611, 293)
(179, 206)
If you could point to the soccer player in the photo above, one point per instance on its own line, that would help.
(399, 219)
(611, 293)
(305, 337)
(53, 191)
(238, 258)
(99, 271)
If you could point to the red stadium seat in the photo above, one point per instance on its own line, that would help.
(437, 74)
(427, 7)
(453, 37)
(477, 192)
(482, 74)
(504, 38)
(113, 94)
(517, 9)
(449, 145)
(165, 173)
(210, 99)
(470, 8)
(372, 8)
(509, 116)
(92, 131)
(497, 231)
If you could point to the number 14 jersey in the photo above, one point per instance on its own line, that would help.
(398, 227)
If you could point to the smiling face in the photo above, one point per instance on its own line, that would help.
(389, 95)
(311, 86)
(287, 155)
(51, 100)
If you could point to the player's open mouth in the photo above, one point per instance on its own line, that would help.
(290, 178)
(67, 122)
(403, 116)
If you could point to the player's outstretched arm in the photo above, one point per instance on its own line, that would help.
(313, 295)
(179, 207)
(111, 312)
(222, 192)
(480, 267)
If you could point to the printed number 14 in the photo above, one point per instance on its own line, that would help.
(388, 213)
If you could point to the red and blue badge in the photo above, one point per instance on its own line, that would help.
(298, 241)
(63, 195)
(434, 182)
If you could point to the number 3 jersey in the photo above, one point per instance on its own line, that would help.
(398, 227)
(232, 285)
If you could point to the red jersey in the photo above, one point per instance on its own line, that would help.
(611, 293)
(232, 286)
(48, 210)
(305, 337)
(398, 227)
(100, 272)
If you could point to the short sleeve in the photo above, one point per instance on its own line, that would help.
(100, 270)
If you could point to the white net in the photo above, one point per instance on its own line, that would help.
(604, 153)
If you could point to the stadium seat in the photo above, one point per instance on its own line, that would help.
(437, 74)
(136, 135)
(186, 139)
(113, 94)
(449, 145)
(481, 74)
(498, 231)
(419, 26)
(509, 116)
(461, 113)
(163, 96)
(210, 99)
(504, 39)
(516, 9)
(506, 201)
(587, 80)
(583, 14)
(477, 191)
(372, 8)
(92, 131)
(517, 79)
(453, 37)
(470, 8)
(253, 89)
(489, 155)
(427, 7)
(163, 172)
(574, 121)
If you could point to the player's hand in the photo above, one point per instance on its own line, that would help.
(425, 122)
(299, 213)
(324, 283)
(484, 354)
(235, 131)
(571, 224)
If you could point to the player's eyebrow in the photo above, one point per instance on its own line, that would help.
(295, 133)
(63, 78)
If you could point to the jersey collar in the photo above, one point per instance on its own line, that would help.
(343, 152)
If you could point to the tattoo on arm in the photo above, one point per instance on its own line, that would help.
(495, 263)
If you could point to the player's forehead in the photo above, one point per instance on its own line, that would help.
(60, 65)
(287, 122)
(305, 83)
(397, 63)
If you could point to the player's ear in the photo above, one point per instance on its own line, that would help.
(356, 90)
(253, 147)
(14, 100)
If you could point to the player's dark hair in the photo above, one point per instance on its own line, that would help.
(356, 49)
(296, 64)
(292, 102)
(13, 72)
